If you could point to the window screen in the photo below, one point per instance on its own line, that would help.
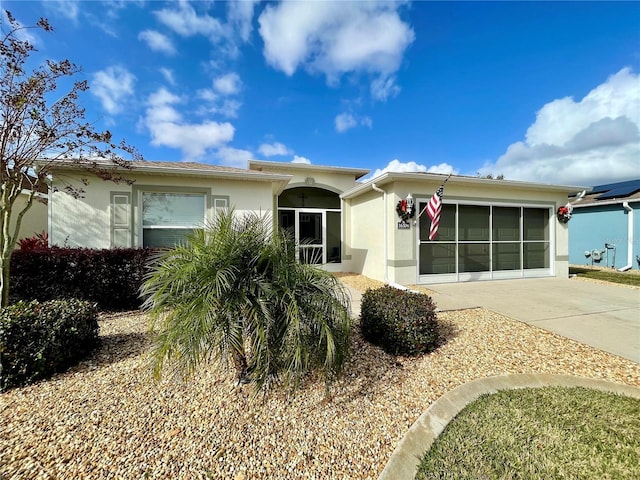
(168, 217)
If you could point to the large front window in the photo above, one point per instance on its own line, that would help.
(484, 242)
(168, 217)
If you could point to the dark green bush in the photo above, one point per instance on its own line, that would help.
(399, 321)
(39, 339)
(111, 277)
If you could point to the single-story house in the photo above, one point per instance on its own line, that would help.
(489, 229)
(604, 230)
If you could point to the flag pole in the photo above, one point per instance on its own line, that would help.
(425, 207)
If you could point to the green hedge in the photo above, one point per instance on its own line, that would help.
(39, 339)
(399, 321)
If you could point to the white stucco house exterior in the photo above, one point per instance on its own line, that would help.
(489, 229)
(34, 222)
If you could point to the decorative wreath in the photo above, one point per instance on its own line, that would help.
(564, 214)
(405, 212)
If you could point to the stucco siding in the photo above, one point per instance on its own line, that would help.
(366, 242)
(336, 181)
(86, 222)
(592, 227)
(82, 222)
(34, 220)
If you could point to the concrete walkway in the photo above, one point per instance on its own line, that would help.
(601, 315)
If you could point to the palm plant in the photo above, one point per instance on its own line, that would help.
(234, 293)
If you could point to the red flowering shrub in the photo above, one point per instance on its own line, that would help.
(39, 241)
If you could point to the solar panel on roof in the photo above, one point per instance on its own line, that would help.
(610, 186)
(620, 190)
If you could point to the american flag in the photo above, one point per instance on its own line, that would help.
(434, 207)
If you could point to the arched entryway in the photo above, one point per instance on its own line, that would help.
(314, 217)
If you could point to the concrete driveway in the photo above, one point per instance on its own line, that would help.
(604, 316)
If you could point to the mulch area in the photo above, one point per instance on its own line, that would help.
(107, 417)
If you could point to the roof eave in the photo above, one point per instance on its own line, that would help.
(245, 175)
(603, 203)
(390, 177)
(357, 172)
(142, 168)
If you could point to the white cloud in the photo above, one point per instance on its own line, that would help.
(168, 128)
(298, 159)
(234, 157)
(240, 14)
(115, 7)
(157, 41)
(586, 142)
(229, 108)
(346, 121)
(228, 84)
(226, 35)
(336, 38)
(68, 9)
(398, 166)
(383, 88)
(207, 94)
(443, 168)
(366, 121)
(186, 22)
(168, 75)
(160, 106)
(223, 86)
(112, 86)
(275, 149)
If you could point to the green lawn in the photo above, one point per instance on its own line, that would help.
(540, 433)
(626, 278)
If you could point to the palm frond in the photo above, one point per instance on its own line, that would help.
(236, 292)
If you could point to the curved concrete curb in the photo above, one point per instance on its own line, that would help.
(405, 459)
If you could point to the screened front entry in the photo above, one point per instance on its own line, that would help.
(483, 242)
(312, 215)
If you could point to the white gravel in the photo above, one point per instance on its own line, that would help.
(107, 418)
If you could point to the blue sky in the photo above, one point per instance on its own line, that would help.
(538, 91)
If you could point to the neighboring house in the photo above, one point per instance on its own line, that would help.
(489, 229)
(605, 228)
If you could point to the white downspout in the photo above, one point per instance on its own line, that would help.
(629, 238)
(385, 233)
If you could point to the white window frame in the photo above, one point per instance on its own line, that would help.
(142, 227)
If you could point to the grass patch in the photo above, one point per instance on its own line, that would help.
(606, 275)
(540, 433)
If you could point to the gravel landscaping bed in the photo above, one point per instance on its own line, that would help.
(107, 418)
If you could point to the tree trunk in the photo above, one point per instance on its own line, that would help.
(5, 246)
(5, 265)
(9, 239)
(242, 369)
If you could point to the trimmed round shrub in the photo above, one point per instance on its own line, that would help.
(399, 321)
(39, 339)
